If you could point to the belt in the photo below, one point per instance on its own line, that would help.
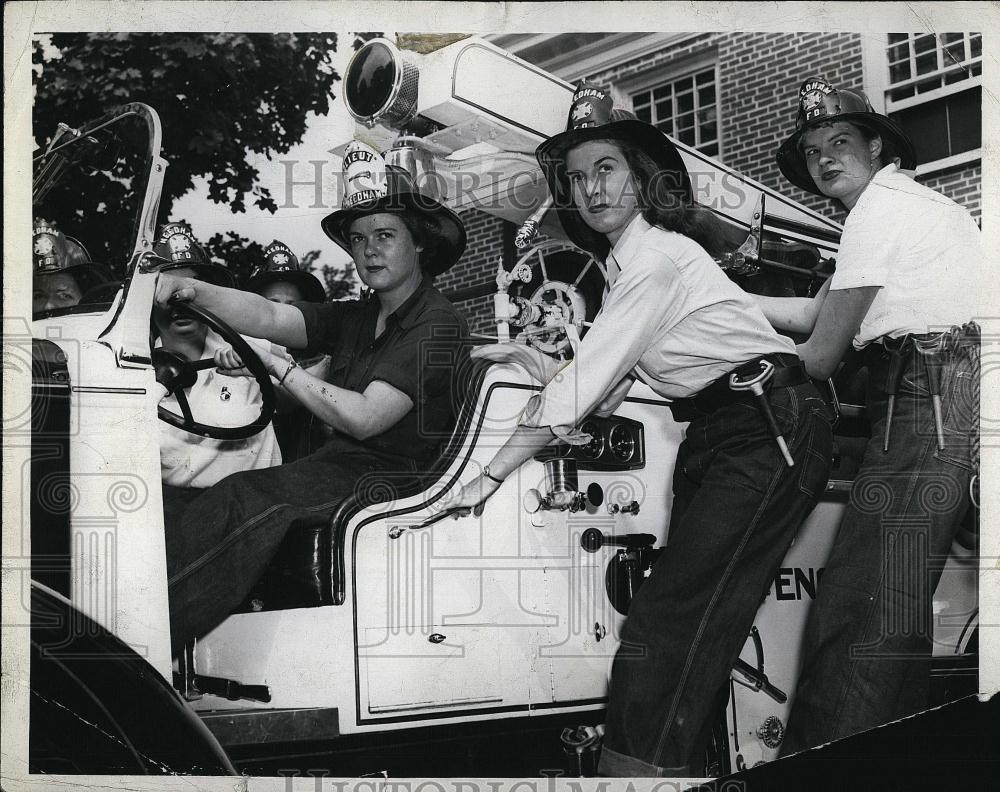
(966, 335)
(788, 372)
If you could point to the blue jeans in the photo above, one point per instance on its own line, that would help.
(220, 540)
(867, 645)
(736, 508)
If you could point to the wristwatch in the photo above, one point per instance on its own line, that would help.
(491, 477)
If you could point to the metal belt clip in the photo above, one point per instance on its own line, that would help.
(932, 352)
(897, 361)
(755, 384)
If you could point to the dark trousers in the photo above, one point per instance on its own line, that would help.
(736, 508)
(220, 540)
(868, 639)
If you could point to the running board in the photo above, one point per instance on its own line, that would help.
(263, 726)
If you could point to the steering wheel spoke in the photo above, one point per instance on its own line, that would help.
(182, 402)
(201, 365)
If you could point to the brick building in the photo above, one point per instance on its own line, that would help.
(733, 95)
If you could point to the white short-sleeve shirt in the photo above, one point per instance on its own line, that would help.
(920, 248)
(189, 460)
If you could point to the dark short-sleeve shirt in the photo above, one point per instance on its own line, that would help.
(418, 352)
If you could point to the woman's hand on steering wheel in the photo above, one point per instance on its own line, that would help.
(171, 289)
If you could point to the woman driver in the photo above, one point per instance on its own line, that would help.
(386, 399)
(672, 318)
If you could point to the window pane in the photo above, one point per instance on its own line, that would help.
(895, 38)
(900, 52)
(706, 96)
(944, 127)
(965, 120)
(712, 149)
(976, 45)
(685, 102)
(899, 72)
(686, 136)
(926, 126)
(928, 85)
(642, 113)
(901, 93)
(706, 77)
(664, 109)
(925, 42)
(927, 63)
(953, 53)
(662, 91)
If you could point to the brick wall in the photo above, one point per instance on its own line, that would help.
(478, 265)
(759, 76)
(962, 184)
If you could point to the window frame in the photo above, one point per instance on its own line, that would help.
(875, 66)
(650, 79)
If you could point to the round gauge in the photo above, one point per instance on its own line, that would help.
(621, 442)
(595, 447)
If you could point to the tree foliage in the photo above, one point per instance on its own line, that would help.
(239, 255)
(222, 98)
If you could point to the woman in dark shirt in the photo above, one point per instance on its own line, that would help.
(387, 408)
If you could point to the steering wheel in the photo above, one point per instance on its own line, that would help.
(176, 373)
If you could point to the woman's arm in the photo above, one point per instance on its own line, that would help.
(360, 415)
(793, 314)
(839, 318)
(650, 297)
(615, 398)
(247, 313)
(519, 448)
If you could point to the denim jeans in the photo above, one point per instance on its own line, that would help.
(868, 640)
(736, 508)
(219, 540)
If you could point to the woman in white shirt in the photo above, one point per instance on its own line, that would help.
(905, 290)
(672, 318)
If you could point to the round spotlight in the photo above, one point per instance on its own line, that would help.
(380, 87)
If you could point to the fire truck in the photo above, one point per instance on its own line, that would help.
(389, 628)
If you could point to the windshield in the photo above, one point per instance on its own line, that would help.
(88, 189)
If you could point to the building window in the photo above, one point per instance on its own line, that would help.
(686, 108)
(935, 92)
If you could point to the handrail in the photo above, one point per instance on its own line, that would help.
(411, 484)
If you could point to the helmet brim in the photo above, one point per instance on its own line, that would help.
(792, 162)
(449, 242)
(551, 155)
(308, 284)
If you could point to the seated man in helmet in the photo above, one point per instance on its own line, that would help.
(63, 274)
(189, 460)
